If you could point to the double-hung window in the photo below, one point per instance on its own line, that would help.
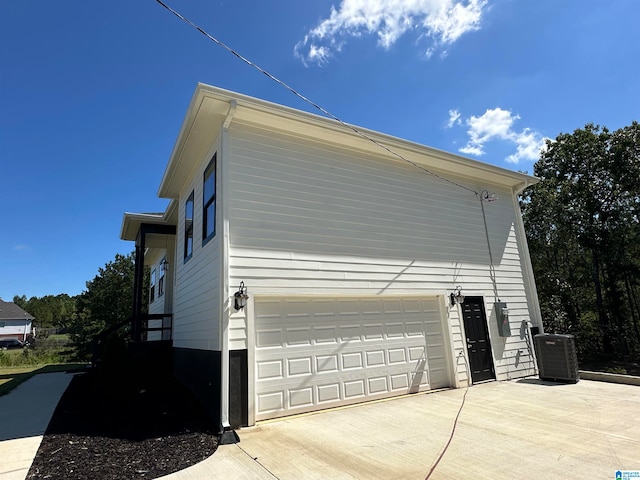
(188, 227)
(209, 202)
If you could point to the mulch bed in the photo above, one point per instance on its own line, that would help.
(106, 428)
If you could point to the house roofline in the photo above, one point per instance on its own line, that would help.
(11, 311)
(131, 222)
(209, 106)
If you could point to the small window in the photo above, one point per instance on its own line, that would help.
(161, 279)
(209, 202)
(152, 286)
(188, 228)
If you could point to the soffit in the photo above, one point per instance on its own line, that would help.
(131, 222)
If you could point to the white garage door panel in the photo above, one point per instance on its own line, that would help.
(317, 353)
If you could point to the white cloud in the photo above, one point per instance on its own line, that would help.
(443, 21)
(454, 118)
(530, 144)
(497, 124)
(471, 150)
(21, 248)
(319, 55)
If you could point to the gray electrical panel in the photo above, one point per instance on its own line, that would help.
(502, 315)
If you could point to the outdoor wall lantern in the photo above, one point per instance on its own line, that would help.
(456, 297)
(164, 265)
(240, 297)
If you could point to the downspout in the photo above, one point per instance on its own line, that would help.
(225, 300)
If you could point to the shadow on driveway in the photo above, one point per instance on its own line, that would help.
(26, 410)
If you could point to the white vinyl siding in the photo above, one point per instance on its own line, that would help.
(15, 327)
(311, 219)
(196, 299)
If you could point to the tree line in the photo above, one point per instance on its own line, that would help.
(583, 229)
(50, 311)
(105, 302)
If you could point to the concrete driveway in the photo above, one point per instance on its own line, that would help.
(524, 429)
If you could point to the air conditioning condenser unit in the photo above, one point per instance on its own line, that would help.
(557, 357)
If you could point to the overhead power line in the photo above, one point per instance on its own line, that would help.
(310, 102)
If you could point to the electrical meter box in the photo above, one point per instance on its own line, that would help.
(502, 315)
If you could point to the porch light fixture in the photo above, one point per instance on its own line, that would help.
(240, 297)
(456, 297)
(164, 265)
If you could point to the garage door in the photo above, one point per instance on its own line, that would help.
(314, 353)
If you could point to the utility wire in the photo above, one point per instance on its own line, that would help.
(313, 104)
(375, 142)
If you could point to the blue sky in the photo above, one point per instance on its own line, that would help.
(92, 95)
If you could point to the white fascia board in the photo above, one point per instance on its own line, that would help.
(131, 221)
(131, 224)
(202, 120)
(209, 105)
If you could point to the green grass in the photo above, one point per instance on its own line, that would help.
(11, 377)
(34, 357)
(59, 337)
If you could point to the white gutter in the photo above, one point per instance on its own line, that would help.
(224, 298)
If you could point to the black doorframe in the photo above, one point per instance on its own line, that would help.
(478, 342)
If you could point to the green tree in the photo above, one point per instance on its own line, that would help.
(20, 300)
(582, 224)
(49, 311)
(106, 302)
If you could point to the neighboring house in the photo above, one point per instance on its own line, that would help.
(15, 322)
(349, 255)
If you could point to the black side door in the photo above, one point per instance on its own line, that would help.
(478, 344)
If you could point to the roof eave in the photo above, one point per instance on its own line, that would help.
(210, 104)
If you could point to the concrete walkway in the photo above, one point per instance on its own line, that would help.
(524, 429)
(24, 415)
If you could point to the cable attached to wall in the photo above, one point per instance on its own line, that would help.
(486, 197)
(483, 197)
(313, 104)
(529, 341)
